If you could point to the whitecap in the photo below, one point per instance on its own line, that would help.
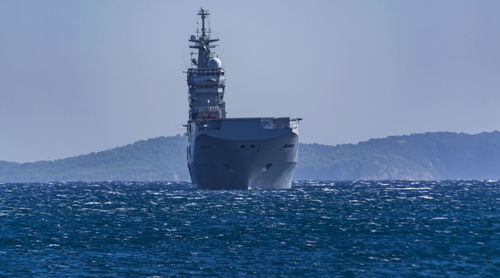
(426, 197)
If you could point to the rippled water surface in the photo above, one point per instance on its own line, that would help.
(390, 228)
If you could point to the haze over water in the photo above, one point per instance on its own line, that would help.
(365, 228)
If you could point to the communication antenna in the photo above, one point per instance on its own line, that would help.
(203, 13)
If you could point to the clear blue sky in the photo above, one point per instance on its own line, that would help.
(82, 76)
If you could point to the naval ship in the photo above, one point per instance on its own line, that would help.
(232, 153)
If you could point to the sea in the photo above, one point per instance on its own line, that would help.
(315, 229)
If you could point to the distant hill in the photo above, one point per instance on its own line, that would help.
(161, 158)
(437, 155)
(432, 155)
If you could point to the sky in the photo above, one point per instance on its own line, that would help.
(84, 76)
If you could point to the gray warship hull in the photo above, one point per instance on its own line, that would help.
(243, 153)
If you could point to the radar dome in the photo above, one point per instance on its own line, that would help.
(215, 63)
(193, 37)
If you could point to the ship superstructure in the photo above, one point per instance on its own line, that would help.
(232, 153)
(205, 78)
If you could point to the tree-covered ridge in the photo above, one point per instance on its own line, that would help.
(161, 158)
(437, 155)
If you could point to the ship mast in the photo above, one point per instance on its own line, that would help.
(202, 43)
(203, 13)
